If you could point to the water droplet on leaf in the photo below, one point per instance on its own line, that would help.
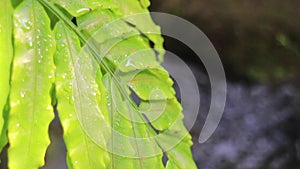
(22, 94)
(58, 36)
(26, 25)
(82, 10)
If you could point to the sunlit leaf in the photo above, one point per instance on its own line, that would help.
(80, 7)
(6, 52)
(136, 13)
(128, 150)
(32, 78)
(153, 84)
(82, 151)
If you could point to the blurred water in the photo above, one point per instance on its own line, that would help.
(259, 129)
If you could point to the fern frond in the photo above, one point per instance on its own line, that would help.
(102, 63)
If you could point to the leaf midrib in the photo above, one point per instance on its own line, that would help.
(34, 84)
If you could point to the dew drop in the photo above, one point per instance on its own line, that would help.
(30, 44)
(13, 104)
(58, 36)
(26, 25)
(129, 63)
(64, 75)
(82, 10)
(61, 47)
(39, 44)
(26, 60)
(22, 94)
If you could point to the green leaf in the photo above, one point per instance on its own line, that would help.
(109, 27)
(128, 150)
(162, 113)
(3, 134)
(90, 22)
(150, 84)
(72, 89)
(6, 53)
(80, 7)
(136, 13)
(131, 54)
(119, 42)
(31, 83)
(173, 137)
(176, 142)
(180, 157)
(112, 25)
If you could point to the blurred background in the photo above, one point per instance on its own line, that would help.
(259, 45)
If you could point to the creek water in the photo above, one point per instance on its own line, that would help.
(260, 127)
